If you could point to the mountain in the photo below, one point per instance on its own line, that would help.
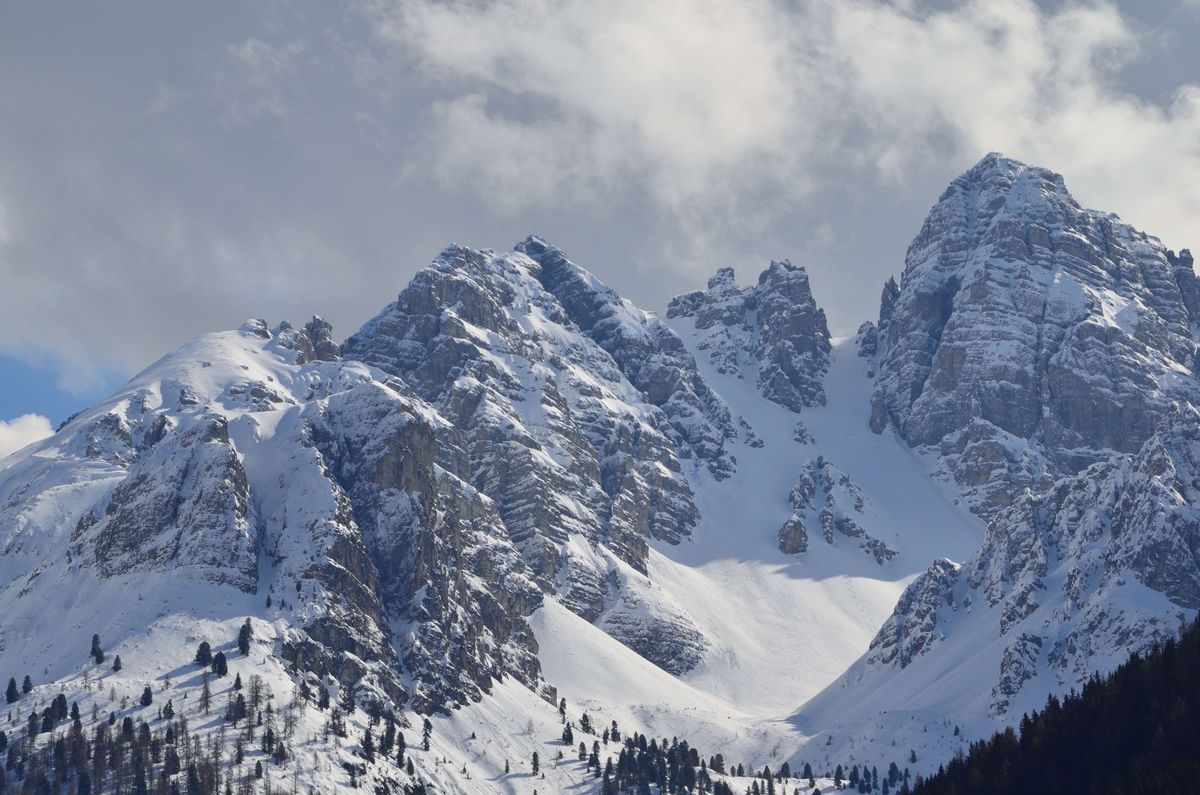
(1042, 356)
(1029, 337)
(1147, 708)
(513, 500)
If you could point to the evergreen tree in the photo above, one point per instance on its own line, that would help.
(387, 739)
(426, 731)
(219, 666)
(204, 654)
(97, 652)
(12, 694)
(237, 682)
(26, 684)
(147, 696)
(535, 763)
(244, 635)
(117, 664)
(368, 746)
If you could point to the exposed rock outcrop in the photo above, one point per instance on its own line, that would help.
(773, 330)
(574, 408)
(1029, 337)
(1065, 577)
(828, 498)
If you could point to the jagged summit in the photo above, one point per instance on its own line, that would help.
(1043, 355)
(773, 332)
(1030, 337)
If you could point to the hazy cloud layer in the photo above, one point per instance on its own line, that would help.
(708, 104)
(22, 431)
(166, 171)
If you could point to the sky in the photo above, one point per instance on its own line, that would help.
(168, 169)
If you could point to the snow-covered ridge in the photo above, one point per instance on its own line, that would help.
(514, 486)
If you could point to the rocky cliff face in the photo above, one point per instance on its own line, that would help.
(1103, 564)
(1029, 337)
(255, 460)
(1043, 358)
(578, 412)
(773, 331)
(185, 499)
(650, 355)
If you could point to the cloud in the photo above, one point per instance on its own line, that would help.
(683, 98)
(22, 431)
(733, 109)
(287, 158)
(252, 82)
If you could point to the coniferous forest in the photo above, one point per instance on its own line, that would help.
(1134, 731)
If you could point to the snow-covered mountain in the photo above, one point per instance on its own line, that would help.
(1043, 355)
(513, 487)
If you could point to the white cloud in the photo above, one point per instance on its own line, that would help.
(254, 80)
(709, 106)
(683, 97)
(290, 158)
(22, 431)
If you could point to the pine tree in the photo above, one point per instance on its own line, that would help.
(117, 664)
(426, 731)
(387, 740)
(204, 654)
(147, 696)
(368, 746)
(26, 684)
(244, 635)
(219, 666)
(206, 695)
(237, 682)
(12, 694)
(535, 763)
(97, 652)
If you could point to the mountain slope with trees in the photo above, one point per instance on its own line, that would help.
(1136, 730)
